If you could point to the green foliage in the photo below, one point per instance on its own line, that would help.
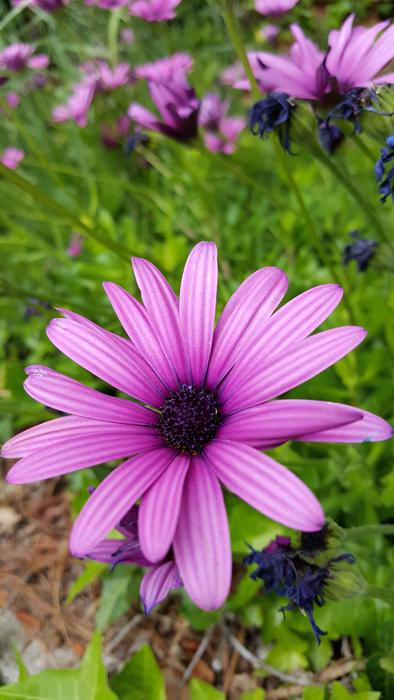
(140, 678)
(88, 682)
(119, 588)
(92, 570)
(199, 690)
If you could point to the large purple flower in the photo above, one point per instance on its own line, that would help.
(160, 578)
(172, 95)
(207, 411)
(355, 57)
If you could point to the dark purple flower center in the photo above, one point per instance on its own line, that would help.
(189, 418)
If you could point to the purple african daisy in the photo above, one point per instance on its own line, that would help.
(77, 105)
(161, 577)
(16, 57)
(154, 10)
(274, 8)
(207, 407)
(172, 95)
(220, 131)
(355, 58)
(11, 157)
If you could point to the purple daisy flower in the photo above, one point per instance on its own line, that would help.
(355, 58)
(208, 411)
(154, 10)
(274, 8)
(172, 95)
(220, 130)
(16, 57)
(11, 157)
(160, 578)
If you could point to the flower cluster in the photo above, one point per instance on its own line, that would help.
(209, 408)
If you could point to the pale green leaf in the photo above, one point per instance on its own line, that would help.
(141, 678)
(204, 691)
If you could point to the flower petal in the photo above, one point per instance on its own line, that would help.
(279, 421)
(293, 367)
(135, 320)
(291, 323)
(370, 428)
(202, 541)
(265, 484)
(243, 316)
(157, 583)
(34, 438)
(80, 447)
(105, 552)
(65, 394)
(197, 305)
(113, 498)
(159, 510)
(113, 362)
(162, 306)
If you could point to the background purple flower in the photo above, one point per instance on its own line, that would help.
(154, 10)
(172, 95)
(12, 157)
(77, 105)
(16, 57)
(220, 132)
(274, 8)
(208, 411)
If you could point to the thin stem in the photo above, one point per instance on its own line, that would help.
(39, 196)
(13, 13)
(113, 29)
(234, 33)
(386, 594)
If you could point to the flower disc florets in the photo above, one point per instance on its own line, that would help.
(189, 418)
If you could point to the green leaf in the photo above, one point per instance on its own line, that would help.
(89, 682)
(141, 678)
(257, 694)
(119, 588)
(313, 693)
(23, 672)
(204, 691)
(92, 570)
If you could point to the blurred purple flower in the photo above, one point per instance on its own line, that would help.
(16, 57)
(154, 10)
(172, 95)
(77, 106)
(12, 99)
(269, 32)
(355, 58)
(46, 5)
(11, 157)
(209, 409)
(220, 131)
(112, 135)
(161, 576)
(274, 8)
(75, 245)
(126, 36)
(105, 77)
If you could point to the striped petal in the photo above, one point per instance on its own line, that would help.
(293, 367)
(159, 510)
(65, 394)
(197, 305)
(157, 583)
(113, 362)
(202, 541)
(370, 428)
(106, 550)
(265, 484)
(162, 306)
(78, 448)
(113, 498)
(135, 320)
(243, 316)
(279, 421)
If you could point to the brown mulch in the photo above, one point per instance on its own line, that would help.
(36, 572)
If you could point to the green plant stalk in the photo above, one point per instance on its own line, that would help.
(235, 36)
(13, 13)
(380, 593)
(112, 35)
(362, 530)
(38, 195)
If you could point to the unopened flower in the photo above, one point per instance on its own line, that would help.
(12, 99)
(77, 106)
(273, 114)
(361, 250)
(206, 410)
(16, 57)
(220, 131)
(293, 574)
(330, 135)
(274, 8)
(269, 32)
(126, 36)
(11, 157)
(172, 95)
(75, 246)
(385, 177)
(161, 577)
(154, 10)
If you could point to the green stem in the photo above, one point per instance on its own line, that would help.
(234, 33)
(386, 594)
(113, 29)
(369, 530)
(80, 223)
(13, 13)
